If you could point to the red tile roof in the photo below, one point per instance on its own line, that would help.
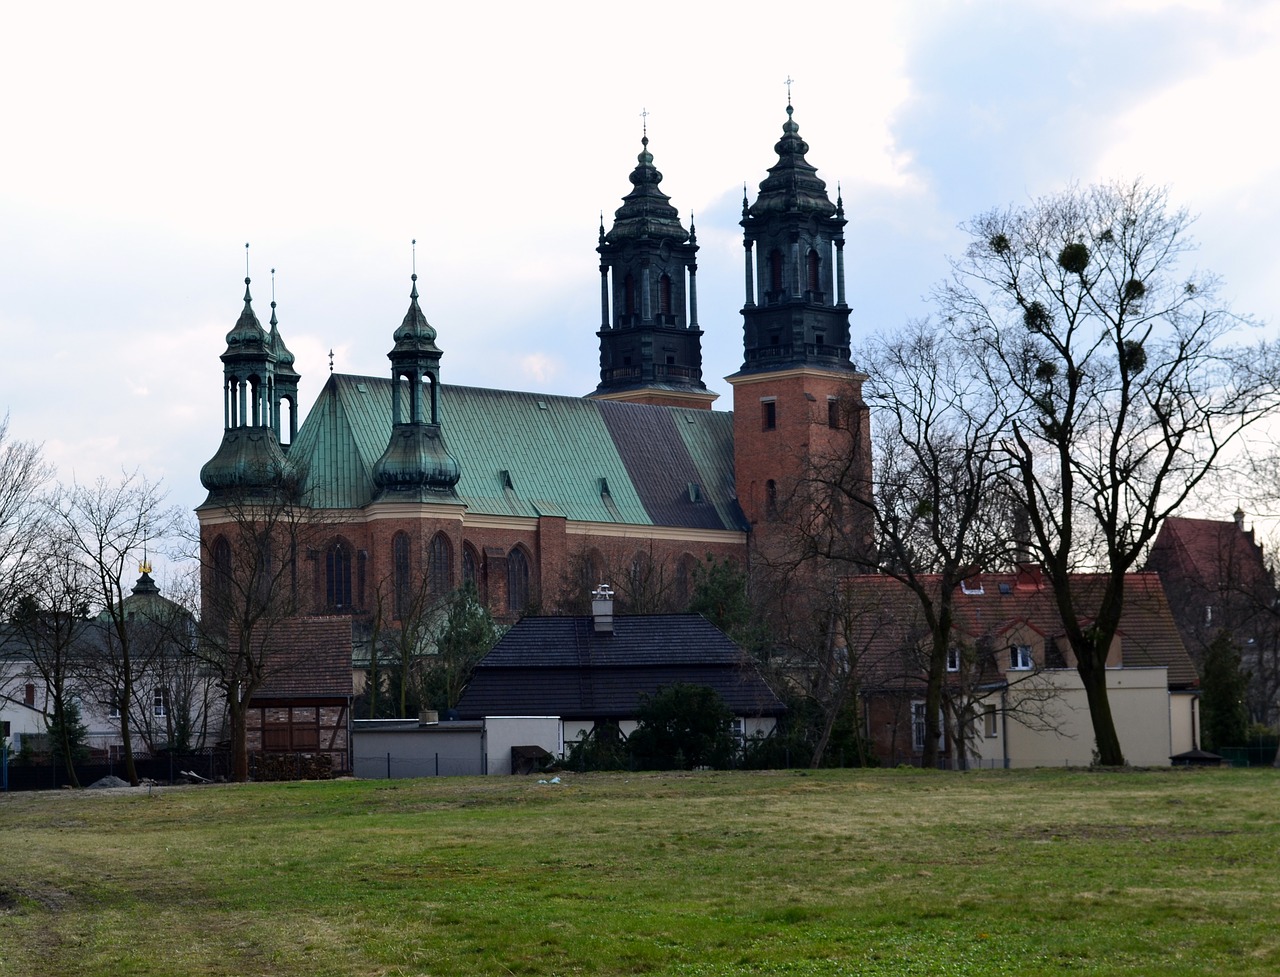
(889, 622)
(1213, 554)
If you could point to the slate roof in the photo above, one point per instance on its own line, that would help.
(586, 460)
(890, 618)
(560, 666)
(309, 659)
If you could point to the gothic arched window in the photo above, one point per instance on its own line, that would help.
(337, 577)
(470, 567)
(517, 580)
(401, 583)
(440, 565)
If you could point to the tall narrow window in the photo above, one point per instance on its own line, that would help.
(158, 704)
(771, 500)
(768, 415)
(811, 269)
(400, 580)
(833, 412)
(775, 271)
(221, 576)
(470, 567)
(664, 294)
(440, 565)
(337, 577)
(517, 580)
(629, 302)
(918, 731)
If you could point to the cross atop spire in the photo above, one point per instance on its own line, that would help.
(789, 81)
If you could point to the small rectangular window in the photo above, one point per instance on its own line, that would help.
(833, 412)
(157, 704)
(768, 415)
(1019, 657)
(953, 659)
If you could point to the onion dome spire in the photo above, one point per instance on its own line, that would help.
(249, 460)
(416, 465)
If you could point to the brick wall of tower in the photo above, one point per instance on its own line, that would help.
(791, 426)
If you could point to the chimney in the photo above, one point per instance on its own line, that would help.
(602, 609)
(1239, 517)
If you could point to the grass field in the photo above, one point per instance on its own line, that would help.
(838, 872)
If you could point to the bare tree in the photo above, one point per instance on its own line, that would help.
(249, 552)
(108, 525)
(932, 496)
(49, 624)
(1122, 391)
(23, 475)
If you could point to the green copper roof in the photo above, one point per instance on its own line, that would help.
(528, 454)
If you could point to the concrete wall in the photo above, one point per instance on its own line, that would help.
(501, 733)
(397, 748)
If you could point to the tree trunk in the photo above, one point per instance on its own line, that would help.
(1092, 667)
(126, 730)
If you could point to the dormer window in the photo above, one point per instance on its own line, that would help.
(953, 659)
(1019, 658)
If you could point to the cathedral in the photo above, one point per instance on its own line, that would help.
(419, 487)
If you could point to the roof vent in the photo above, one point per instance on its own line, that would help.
(602, 609)
(695, 492)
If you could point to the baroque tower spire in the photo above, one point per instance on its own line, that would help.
(416, 465)
(249, 460)
(650, 342)
(794, 310)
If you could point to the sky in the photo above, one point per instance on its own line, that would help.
(144, 144)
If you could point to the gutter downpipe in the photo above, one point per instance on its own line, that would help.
(1004, 725)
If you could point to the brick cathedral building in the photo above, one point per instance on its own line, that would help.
(534, 498)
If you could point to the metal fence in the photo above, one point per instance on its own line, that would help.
(160, 767)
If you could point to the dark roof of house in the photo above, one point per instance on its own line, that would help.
(560, 666)
(1212, 554)
(531, 454)
(310, 658)
(993, 604)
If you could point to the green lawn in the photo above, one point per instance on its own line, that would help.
(838, 872)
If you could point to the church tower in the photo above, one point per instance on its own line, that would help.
(249, 461)
(416, 465)
(797, 399)
(650, 343)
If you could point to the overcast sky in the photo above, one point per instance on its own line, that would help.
(145, 144)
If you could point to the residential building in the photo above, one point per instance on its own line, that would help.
(1012, 696)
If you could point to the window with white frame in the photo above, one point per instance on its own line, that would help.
(1019, 657)
(157, 704)
(953, 659)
